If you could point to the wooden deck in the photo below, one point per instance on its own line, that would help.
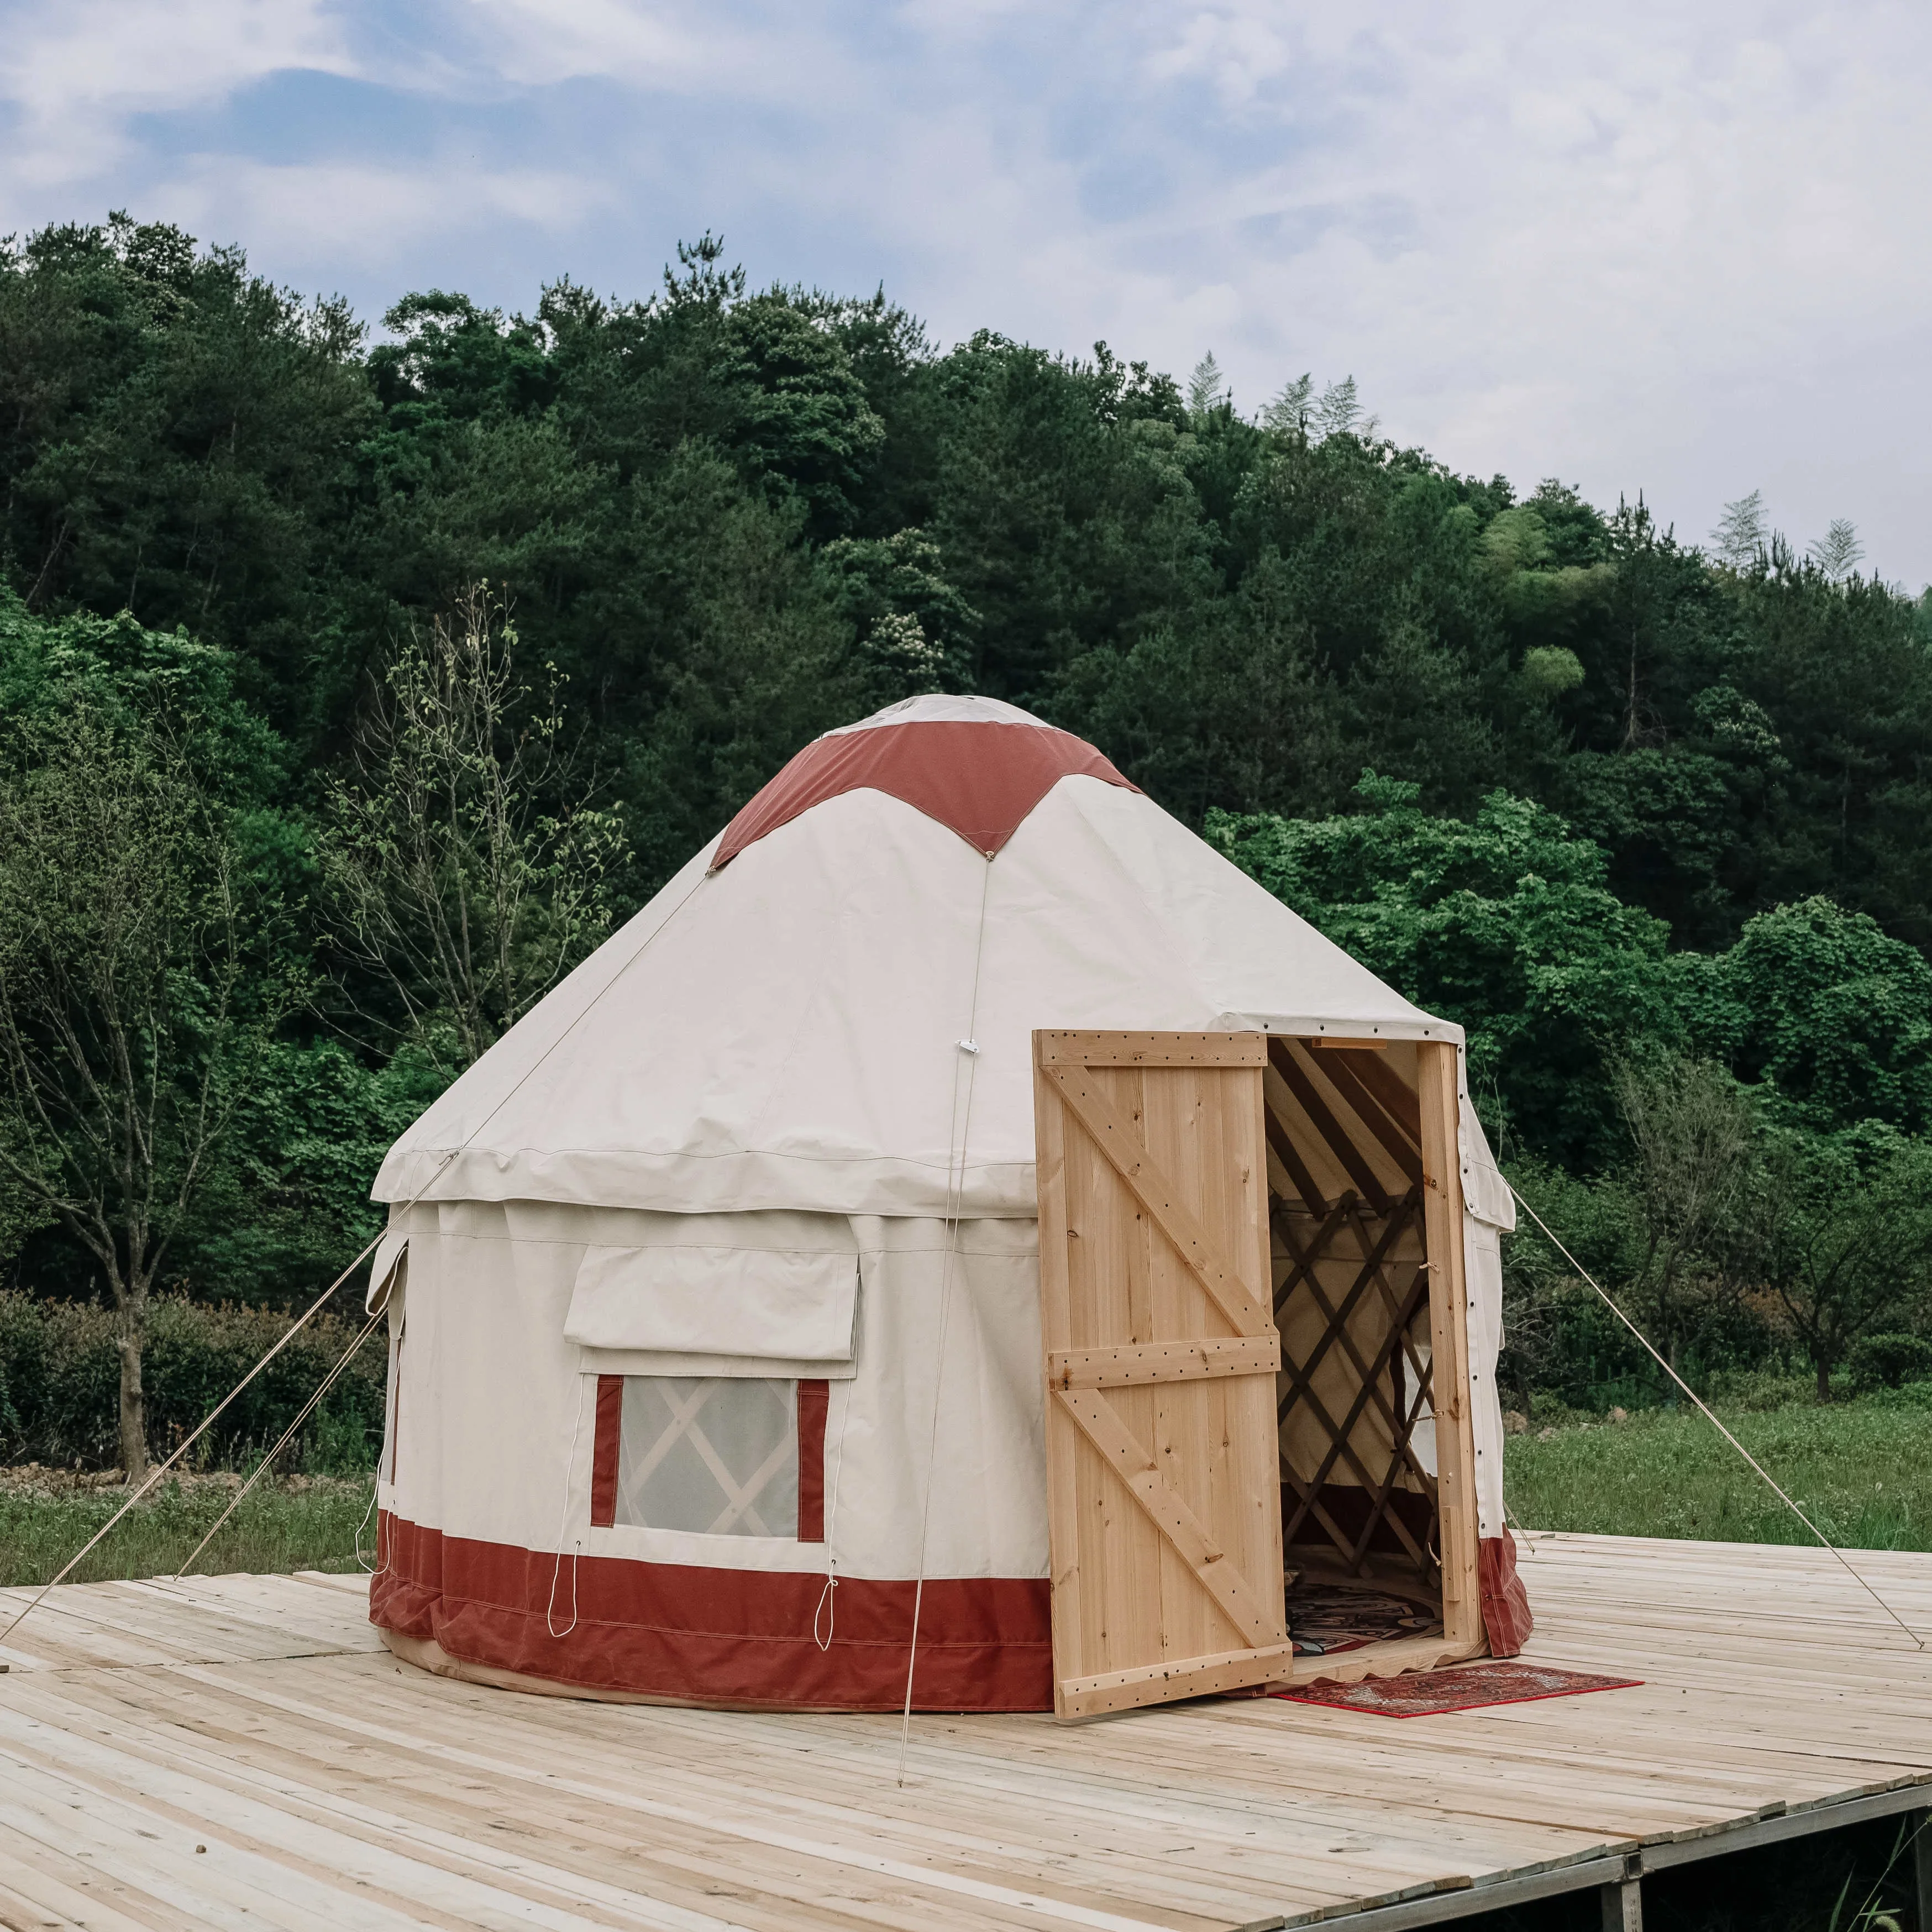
(239, 1751)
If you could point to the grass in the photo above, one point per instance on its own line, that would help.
(1857, 1469)
(311, 1524)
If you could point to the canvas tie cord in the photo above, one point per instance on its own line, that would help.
(1710, 1417)
(562, 1518)
(958, 1127)
(826, 1613)
(315, 1307)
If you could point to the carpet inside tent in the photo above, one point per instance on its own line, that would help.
(1325, 1619)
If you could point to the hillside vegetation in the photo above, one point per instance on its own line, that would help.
(353, 684)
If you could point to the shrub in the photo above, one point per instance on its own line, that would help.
(60, 1382)
(1890, 1361)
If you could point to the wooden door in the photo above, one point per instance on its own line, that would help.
(1449, 1322)
(1164, 1504)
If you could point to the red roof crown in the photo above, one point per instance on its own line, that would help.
(976, 765)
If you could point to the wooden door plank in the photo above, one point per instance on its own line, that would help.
(1164, 1361)
(1168, 1511)
(1101, 1695)
(1118, 1256)
(1150, 1049)
(1215, 1272)
(1063, 1447)
(1153, 1165)
(1248, 1468)
(1176, 1123)
(1438, 1089)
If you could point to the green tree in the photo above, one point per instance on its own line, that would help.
(1065, 515)
(1503, 923)
(286, 1198)
(1207, 388)
(1820, 1004)
(1743, 533)
(801, 418)
(1842, 1236)
(914, 627)
(1691, 1135)
(177, 440)
(1842, 677)
(130, 1026)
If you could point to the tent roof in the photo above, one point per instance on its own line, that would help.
(975, 764)
(784, 1030)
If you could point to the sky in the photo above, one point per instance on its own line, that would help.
(1685, 251)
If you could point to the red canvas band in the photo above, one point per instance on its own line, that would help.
(721, 1636)
(1506, 1617)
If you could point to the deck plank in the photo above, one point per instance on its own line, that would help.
(333, 1785)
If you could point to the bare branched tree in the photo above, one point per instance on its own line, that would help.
(1339, 411)
(1207, 388)
(1287, 414)
(463, 865)
(1743, 533)
(123, 1032)
(1838, 552)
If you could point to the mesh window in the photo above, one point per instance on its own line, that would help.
(718, 1456)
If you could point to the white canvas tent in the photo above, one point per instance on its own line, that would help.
(714, 1288)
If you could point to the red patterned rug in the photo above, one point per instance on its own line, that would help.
(1424, 1693)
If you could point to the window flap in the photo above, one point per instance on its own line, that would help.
(765, 1311)
(1485, 1194)
(385, 1271)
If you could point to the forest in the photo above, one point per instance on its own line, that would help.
(357, 680)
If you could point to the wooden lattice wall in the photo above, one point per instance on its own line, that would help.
(1372, 1406)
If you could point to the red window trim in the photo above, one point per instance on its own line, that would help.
(605, 1441)
(815, 1402)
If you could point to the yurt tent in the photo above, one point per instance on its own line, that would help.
(963, 1239)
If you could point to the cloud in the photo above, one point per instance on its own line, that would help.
(540, 43)
(76, 73)
(1678, 250)
(365, 211)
